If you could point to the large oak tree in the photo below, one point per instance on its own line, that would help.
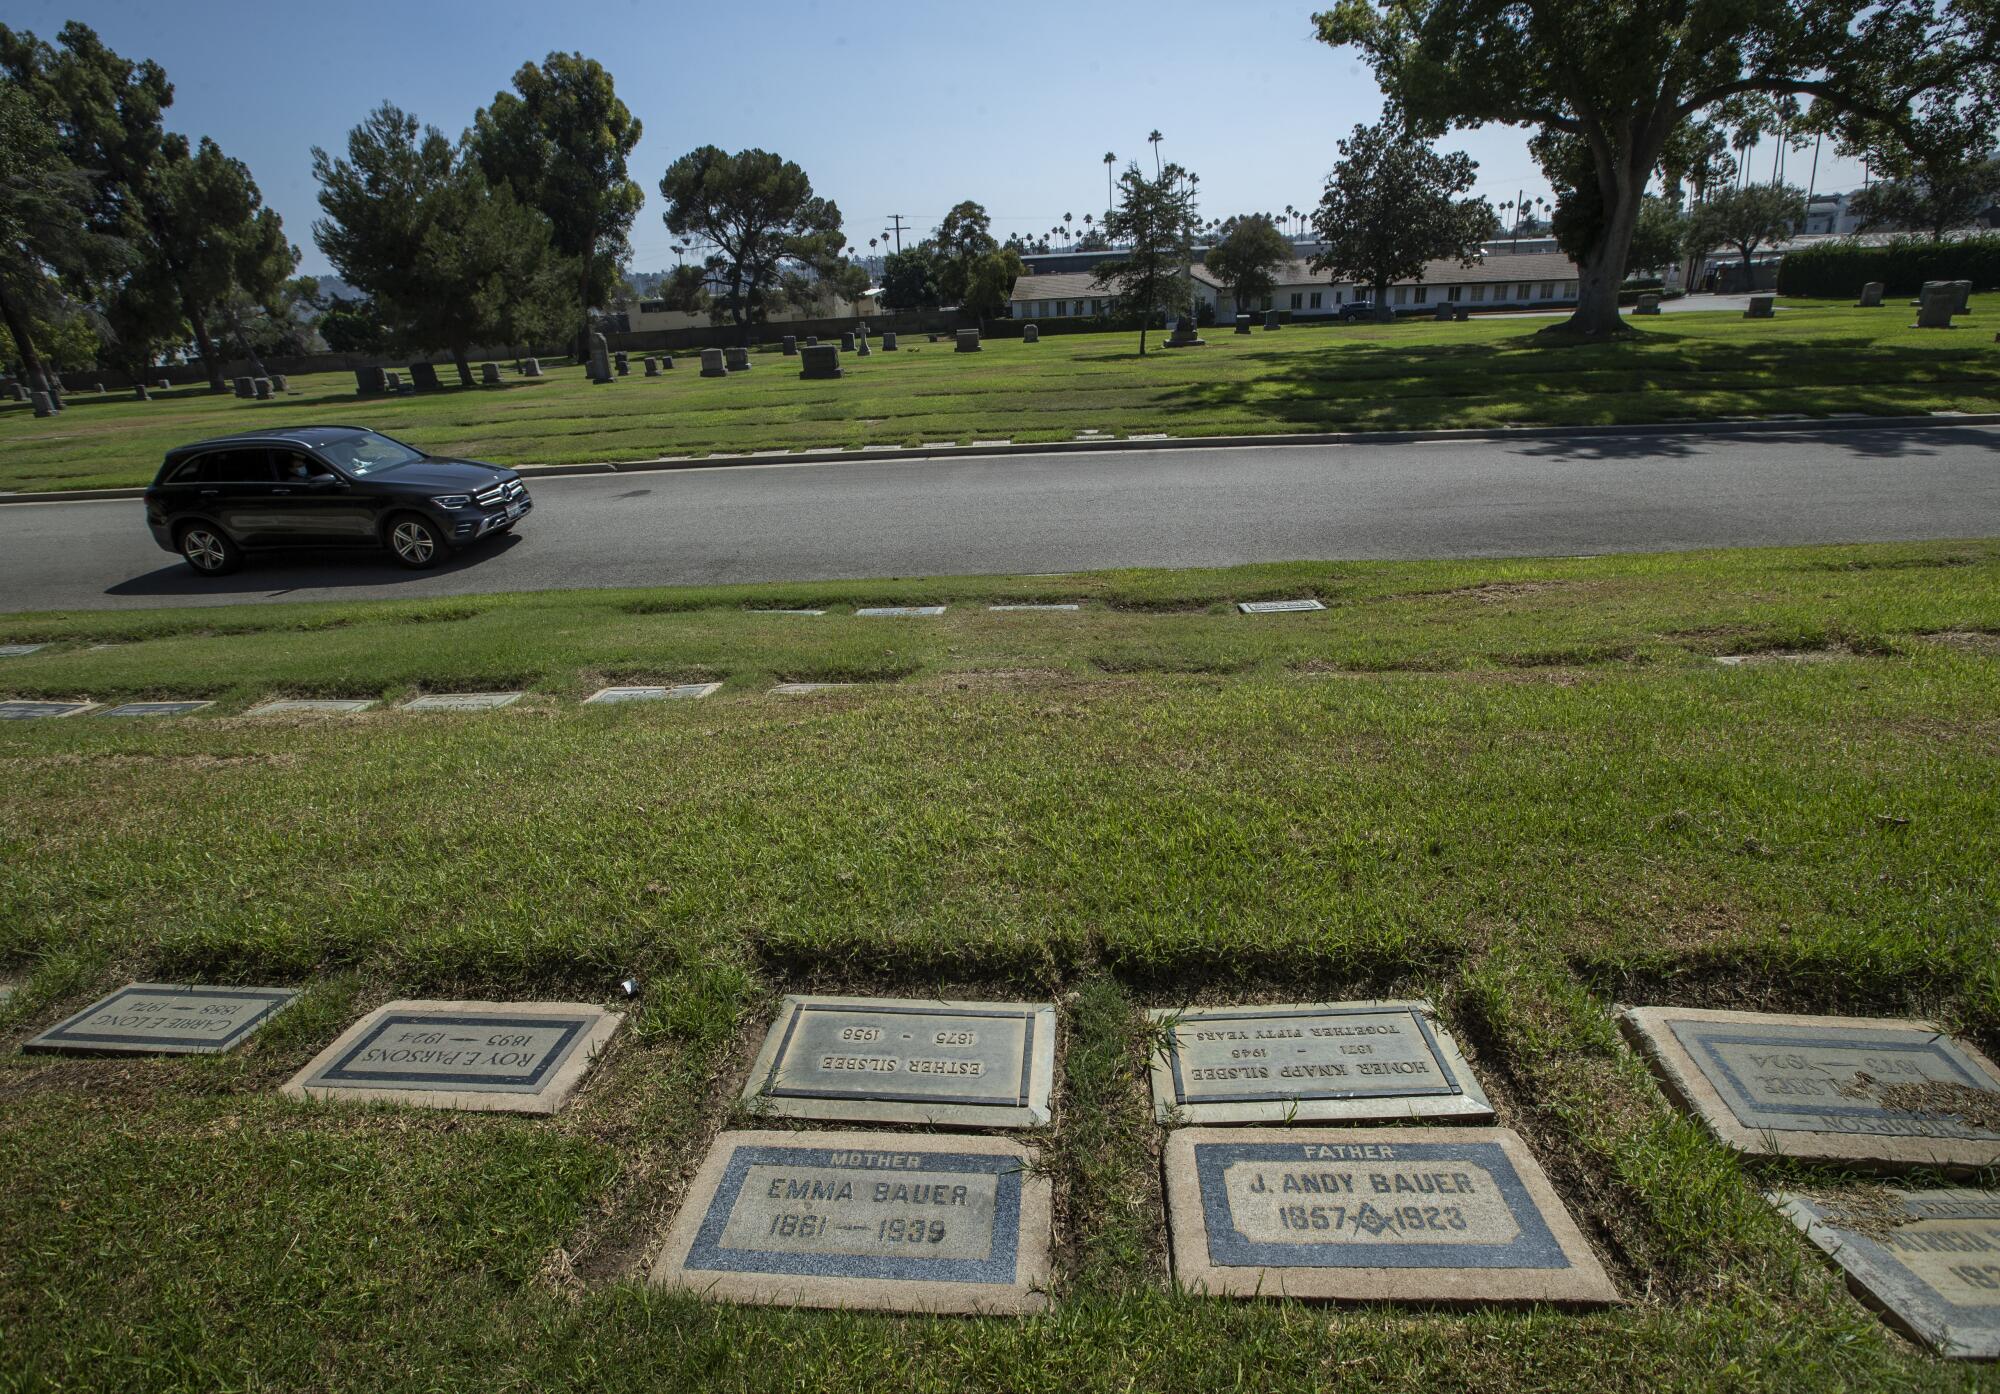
(757, 216)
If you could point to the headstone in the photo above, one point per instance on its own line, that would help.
(738, 359)
(1271, 319)
(155, 708)
(392, 382)
(1351, 1061)
(166, 1019)
(847, 342)
(263, 389)
(666, 361)
(801, 689)
(41, 711)
(621, 363)
(1185, 334)
(20, 650)
(1373, 1214)
(712, 364)
(1761, 307)
(888, 341)
(1030, 334)
(461, 702)
(818, 361)
(511, 1057)
(791, 346)
(1004, 609)
(811, 339)
(532, 368)
(100, 388)
(652, 366)
(42, 407)
(164, 384)
(424, 377)
(1649, 304)
(1935, 309)
(898, 611)
(691, 691)
(905, 1222)
(967, 341)
(280, 384)
(1927, 1260)
(1443, 311)
(600, 359)
(312, 706)
(897, 1060)
(1243, 324)
(489, 374)
(1277, 607)
(1461, 313)
(369, 381)
(1871, 295)
(16, 392)
(139, 391)
(246, 388)
(860, 345)
(1963, 305)
(788, 612)
(1860, 1090)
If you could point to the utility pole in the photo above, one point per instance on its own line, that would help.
(897, 219)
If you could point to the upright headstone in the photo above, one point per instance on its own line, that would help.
(847, 341)
(139, 390)
(791, 346)
(1871, 295)
(1271, 319)
(1461, 313)
(1243, 324)
(1185, 334)
(600, 359)
(393, 381)
(164, 384)
(888, 341)
(1030, 334)
(1934, 311)
(621, 364)
(738, 359)
(666, 361)
(101, 391)
(1963, 305)
(16, 391)
(280, 384)
(246, 388)
(1761, 307)
(369, 381)
(811, 339)
(166, 1019)
(42, 407)
(819, 361)
(1649, 304)
(861, 346)
(263, 389)
(967, 341)
(532, 368)
(424, 376)
(1443, 311)
(489, 374)
(712, 364)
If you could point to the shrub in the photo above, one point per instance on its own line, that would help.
(1838, 270)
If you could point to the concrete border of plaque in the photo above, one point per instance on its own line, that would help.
(166, 1019)
(907, 1060)
(461, 701)
(42, 711)
(312, 706)
(877, 612)
(20, 650)
(901, 1222)
(1308, 1062)
(806, 689)
(687, 691)
(1012, 609)
(1427, 1215)
(135, 709)
(1930, 1264)
(1867, 1091)
(505, 1057)
(1278, 607)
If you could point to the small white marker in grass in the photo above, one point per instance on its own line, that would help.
(801, 689)
(312, 706)
(788, 612)
(1277, 607)
(155, 708)
(19, 650)
(899, 611)
(461, 701)
(1004, 609)
(41, 711)
(690, 691)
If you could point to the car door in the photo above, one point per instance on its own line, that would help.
(315, 505)
(236, 490)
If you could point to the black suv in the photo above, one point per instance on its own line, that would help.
(1356, 309)
(325, 486)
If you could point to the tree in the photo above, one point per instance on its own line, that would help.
(759, 215)
(1625, 80)
(44, 225)
(1935, 198)
(559, 142)
(909, 278)
(1745, 219)
(1156, 219)
(1393, 205)
(1251, 250)
(989, 280)
(963, 236)
(1657, 239)
(353, 326)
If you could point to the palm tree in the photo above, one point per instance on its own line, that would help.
(1109, 160)
(1067, 219)
(1156, 138)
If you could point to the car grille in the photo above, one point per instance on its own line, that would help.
(500, 494)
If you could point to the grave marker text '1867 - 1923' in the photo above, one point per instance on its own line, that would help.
(166, 1019)
(1310, 1062)
(882, 1221)
(514, 1057)
(1867, 1091)
(896, 1060)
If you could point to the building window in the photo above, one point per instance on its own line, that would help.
(1267, 302)
(1402, 295)
(1478, 294)
(1569, 290)
(1097, 307)
(1337, 295)
(1077, 308)
(1315, 300)
(1061, 306)
(1452, 294)
(1423, 295)
(1297, 300)
(1527, 292)
(1548, 290)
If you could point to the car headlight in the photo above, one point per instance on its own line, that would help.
(452, 500)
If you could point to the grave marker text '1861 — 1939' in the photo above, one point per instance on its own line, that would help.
(883, 1221)
(1868, 1091)
(1310, 1062)
(1372, 1214)
(166, 1019)
(515, 1057)
(895, 1060)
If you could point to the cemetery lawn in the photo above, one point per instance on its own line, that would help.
(1815, 358)
(1524, 789)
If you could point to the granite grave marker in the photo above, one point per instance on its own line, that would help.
(155, 708)
(689, 691)
(19, 650)
(166, 1019)
(300, 706)
(896, 611)
(461, 701)
(1278, 607)
(40, 711)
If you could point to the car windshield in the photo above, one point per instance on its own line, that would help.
(367, 453)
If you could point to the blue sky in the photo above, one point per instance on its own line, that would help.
(890, 107)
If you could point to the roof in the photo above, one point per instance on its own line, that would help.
(1057, 285)
(1491, 267)
(291, 435)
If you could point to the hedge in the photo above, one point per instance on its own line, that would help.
(1838, 270)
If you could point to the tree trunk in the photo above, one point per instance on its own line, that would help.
(583, 294)
(24, 344)
(1602, 271)
(464, 368)
(1749, 272)
(204, 345)
(1383, 314)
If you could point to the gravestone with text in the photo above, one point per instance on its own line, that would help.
(713, 365)
(847, 341)
(424, 377)
(791, 346)
(872, 612)
(907, 1060)
(1929, 1262)
(1761, 307)
(1305, 1062)
(461, 701)
(966, 341)
(1278, 607)
(1243, 324)
(1936, 305)
(888, 341)
(307, 706)
(20, 650)
(819, 361)
(869, 1221)
(1871, 295)
(652, 366)
(622, 363)
(1433, 1215)
(1861, 1090)
(39, 711)
(489, 374)
(155, 708)
(166, 1019)
(690, 691)
(508, 1057)
(1030, 334)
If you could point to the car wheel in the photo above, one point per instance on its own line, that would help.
(209, 551)
(416, 542)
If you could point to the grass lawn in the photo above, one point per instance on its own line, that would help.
(1816, 358)
(1522, 788)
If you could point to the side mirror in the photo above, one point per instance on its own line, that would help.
(326, 481)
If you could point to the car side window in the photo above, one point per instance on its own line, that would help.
(237, 467)
(187, 471)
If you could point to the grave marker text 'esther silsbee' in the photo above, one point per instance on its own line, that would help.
(1868, 1091)
(882, 1221)
(895, 1060)
(1443, 1215)
(166, 1019)
(514, 1057)
(1308, 1062)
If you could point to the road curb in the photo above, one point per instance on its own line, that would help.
(1754, 425)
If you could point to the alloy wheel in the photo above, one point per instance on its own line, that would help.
(413, 542)
(204, 550)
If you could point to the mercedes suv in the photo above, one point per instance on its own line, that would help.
(325, 486)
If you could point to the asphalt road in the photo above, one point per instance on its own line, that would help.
(1067, 512)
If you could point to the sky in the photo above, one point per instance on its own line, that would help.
(890, 107)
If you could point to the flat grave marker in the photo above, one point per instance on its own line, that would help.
(788, 612)
(1278, 607)
(869, 1221)
(41, 711)
(802, 689)
(1930, 1265)
(1447, 1215)
(907, 1060)
(510, 1057)
(1352, 1061)
(461, 701)
(1863, 1090)
(166, 1019)
(899, 611)
(303, 706)
(687, 691)
(154, 708)
(1004, 609)
(19, 650)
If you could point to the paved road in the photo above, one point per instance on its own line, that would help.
(1044, 513)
